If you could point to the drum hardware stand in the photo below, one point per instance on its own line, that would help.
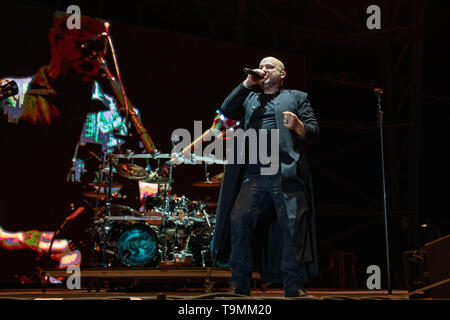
(101, 174)
(100, 179)
(111, 163)
(168, 187)
(378, 92)
(206, 172)
(206, 217)
(105, 225)
(203, 257)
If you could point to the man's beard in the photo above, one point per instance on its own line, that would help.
(269, 84)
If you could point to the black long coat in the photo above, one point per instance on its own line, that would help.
(296, 184)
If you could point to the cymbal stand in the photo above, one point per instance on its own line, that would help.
(170, 175)
(99, 179)
(106, 223)
(111, 163)
(206, 172)
(168, 186)
(206, 217)
(101, 174)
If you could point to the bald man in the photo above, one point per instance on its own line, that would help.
(266, 221)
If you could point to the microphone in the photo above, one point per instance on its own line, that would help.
(96, 38)
(378, 90)
(252, 73)
(95, 44)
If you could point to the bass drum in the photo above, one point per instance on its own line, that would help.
(135, 244)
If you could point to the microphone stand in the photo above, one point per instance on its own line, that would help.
(126, 109)
(378, 92)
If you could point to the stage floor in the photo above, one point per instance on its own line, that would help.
(173, 284)
(195, 294)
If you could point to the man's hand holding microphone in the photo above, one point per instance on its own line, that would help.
(255, 77)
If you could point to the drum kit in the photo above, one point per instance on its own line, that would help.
(166, 230)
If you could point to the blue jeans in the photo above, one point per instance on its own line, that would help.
(255, 198)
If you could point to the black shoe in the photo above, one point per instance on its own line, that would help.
(239, 291)
(300, 293)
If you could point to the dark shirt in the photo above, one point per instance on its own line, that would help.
(262, 118)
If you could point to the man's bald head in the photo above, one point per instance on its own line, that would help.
(65, 45)
(275, 61)
(274, 74)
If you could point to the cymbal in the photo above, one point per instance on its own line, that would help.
(141, 156)
(158, 180)
(118, 210)
(162, 156)
(218, 177)
(105, 169)
(131, 171)
(105, 185)
(97, 195)
(121, 210)
(194, 158)
(207, 184)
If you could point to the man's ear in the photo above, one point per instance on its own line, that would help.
(283, 74)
